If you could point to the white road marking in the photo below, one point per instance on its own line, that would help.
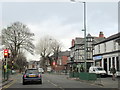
(55, 84)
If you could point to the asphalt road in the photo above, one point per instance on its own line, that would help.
(52, 81)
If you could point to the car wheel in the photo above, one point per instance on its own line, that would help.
(40, 82)
(24, 82)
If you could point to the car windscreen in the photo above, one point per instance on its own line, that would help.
(100, 69)
(40, 69)
(33, 71)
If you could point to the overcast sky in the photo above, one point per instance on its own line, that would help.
(62, 20)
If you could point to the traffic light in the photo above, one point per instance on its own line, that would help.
(54, 63)
(5, 53)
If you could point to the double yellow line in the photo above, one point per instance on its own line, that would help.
(11, 83)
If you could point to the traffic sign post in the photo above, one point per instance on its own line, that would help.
(6, 55)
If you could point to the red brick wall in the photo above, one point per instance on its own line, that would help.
(62, 67)
(64, 60)
(59, 68)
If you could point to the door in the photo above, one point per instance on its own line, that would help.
(105, 64)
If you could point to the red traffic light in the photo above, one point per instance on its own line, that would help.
(54, 63)
(5, 53)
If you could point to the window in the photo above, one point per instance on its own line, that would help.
(117, 62)
(105, 47)
(32, 71)
(89, 49)
(89, 55)
(98, 48)
(99, 69)
(109, 63)
(89, 39)
(113, 60)
(114, 45)
(89, 44)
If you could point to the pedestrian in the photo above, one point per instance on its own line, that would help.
(113, 71)
(81, 68)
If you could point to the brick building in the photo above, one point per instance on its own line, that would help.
(61, 64)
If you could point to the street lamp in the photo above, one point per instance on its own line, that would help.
(85, 46)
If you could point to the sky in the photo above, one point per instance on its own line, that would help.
(61, 20)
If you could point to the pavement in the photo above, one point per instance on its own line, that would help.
(105, 82)
(11, 78)
(108, 82)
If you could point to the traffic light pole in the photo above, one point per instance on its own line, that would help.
(6, 56)
(6, 71)
(6, 64)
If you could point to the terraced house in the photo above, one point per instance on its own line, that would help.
(107, 53)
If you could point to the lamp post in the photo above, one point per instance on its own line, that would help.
(85, 44)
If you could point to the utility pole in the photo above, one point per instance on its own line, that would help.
(85, 46)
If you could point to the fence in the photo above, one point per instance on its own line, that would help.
(74, 75)
(83, 75)
(87, 76)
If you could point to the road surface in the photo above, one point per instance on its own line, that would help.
(52, 81)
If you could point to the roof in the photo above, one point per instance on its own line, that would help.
(98, 39)
(113, 37)
(80, 41)
(89, 35)
(64, 53)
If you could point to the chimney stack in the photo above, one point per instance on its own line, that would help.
(73, 42)
(101, 34)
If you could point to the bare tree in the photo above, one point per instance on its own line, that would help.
(44, 46)
(16, 37)
(21, 61)
(47, 46)
(56, 47)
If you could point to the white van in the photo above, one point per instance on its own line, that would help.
(41, 70)
(97, 70)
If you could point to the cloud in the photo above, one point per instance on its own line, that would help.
(55, 27)
(64, 21)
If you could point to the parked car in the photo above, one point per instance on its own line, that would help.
(32, 75)
(98, 70)
(13, 71)
(41, 70)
